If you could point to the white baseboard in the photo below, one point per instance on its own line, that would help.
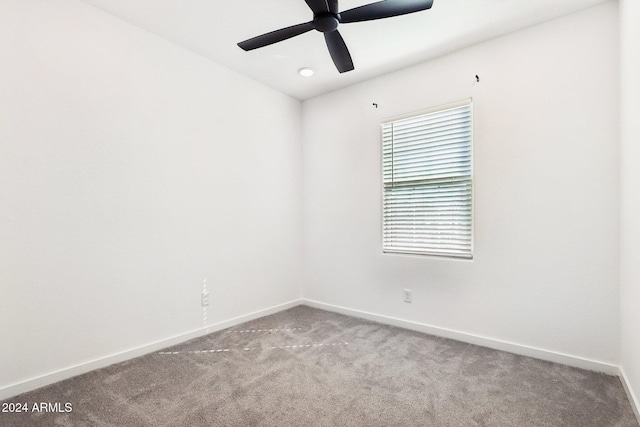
(578, 362)
(633, 399)
(523, 350)
(82, 368)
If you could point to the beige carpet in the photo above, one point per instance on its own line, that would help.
(307, 367)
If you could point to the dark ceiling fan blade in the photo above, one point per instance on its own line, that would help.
(338, 51)
(384, 9)
(333, 6)
(318, 6)
(276, 36)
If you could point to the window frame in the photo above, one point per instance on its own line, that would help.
(430, 253)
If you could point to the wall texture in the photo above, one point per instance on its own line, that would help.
(545, 273)
(130, 171)
(630, 194)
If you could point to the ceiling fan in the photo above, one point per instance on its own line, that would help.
(326, 18)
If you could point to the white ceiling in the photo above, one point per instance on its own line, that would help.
(213, 27)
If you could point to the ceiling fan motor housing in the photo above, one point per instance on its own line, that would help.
(326, 22)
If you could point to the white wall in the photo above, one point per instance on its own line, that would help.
(630, 194)
(120, 192)
(130, 171)
(545, 273)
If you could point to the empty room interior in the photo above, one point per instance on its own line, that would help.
(193, 232)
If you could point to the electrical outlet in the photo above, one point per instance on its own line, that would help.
(407, 296)
(205, 299)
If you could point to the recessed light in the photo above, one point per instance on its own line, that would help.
(305, 72)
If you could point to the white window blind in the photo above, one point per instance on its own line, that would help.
(427, 183)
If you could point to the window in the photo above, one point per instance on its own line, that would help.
(427, 183)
